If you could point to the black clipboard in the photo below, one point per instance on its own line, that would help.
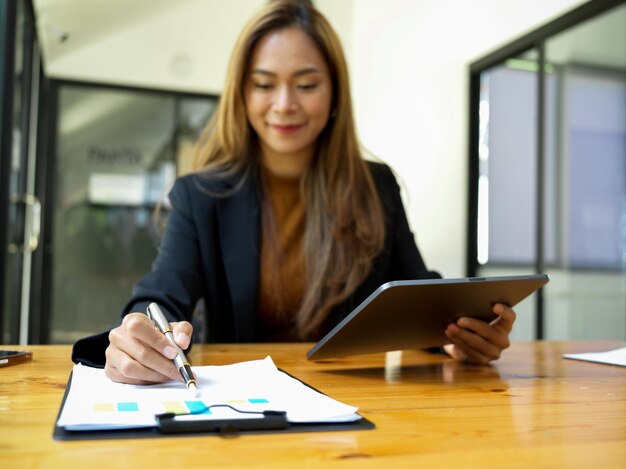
(272, 422)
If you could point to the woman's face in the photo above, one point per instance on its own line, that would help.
(288, 95)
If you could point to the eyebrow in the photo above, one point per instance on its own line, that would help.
(304, 71)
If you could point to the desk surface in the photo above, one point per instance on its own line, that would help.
(531, 409)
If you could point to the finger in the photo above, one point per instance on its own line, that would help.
(143, 357)
(116, 376)
(468, 339)
(455, 352)
(133, 338)
(121, 367)
(494, 334)
(474, 346)
(506, 316)
(182, 333)
(463, 353)
(139, 326)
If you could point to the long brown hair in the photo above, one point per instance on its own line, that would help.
(345, 227)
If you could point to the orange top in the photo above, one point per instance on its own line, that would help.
(282, 272)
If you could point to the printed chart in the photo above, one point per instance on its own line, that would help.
(175, 407)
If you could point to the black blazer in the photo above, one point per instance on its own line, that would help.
(210, 249)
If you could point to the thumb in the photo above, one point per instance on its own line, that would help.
(182, 332)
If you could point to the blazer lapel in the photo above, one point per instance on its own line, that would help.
(239, 222)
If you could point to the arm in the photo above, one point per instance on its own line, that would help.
(406, 260)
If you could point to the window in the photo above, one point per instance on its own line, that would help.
(548, 171)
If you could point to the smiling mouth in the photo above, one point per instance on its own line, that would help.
(286, 129)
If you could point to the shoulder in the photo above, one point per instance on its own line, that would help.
(187, 192)
(203, 182)
(199, 194)
(204, 186)
(383, 178)
(379, 170)
(387, 188)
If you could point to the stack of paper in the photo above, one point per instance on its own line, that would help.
(94, 402)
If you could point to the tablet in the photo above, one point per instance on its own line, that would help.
(413, 314)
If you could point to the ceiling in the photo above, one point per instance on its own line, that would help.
(185, 44)
(180, 45)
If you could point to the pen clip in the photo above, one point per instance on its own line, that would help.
(157, 318)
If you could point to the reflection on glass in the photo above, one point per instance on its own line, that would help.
(117, 157)
(584, 170)
(507, 163)
(587, 295)
(594, 145)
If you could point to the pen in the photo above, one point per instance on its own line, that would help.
(158, 319)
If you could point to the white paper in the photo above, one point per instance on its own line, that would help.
(94, 402)
(612, 357)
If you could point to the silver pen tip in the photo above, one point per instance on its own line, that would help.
(193, 388)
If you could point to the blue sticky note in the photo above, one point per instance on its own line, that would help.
(197, 407)
(127, 406)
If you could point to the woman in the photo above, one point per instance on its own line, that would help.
(284, 228)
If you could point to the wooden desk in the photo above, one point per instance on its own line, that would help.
(532, 409)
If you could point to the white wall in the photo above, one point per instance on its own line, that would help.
(409, 70)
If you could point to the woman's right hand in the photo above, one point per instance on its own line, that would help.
(139, 354)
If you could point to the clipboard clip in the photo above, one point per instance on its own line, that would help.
(267, 420)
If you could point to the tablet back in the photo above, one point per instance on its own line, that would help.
(412, 314)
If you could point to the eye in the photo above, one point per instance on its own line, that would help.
(307, 86)
(263, 86)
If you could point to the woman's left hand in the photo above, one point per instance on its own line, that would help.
(475, 341)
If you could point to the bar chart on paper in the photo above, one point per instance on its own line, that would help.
(175, 407)
(141, 412)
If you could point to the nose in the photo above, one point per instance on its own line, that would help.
(286, 100)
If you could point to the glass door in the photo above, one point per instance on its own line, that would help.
(117, 153)
(20, 206)
(548, 160)
(586, 298)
